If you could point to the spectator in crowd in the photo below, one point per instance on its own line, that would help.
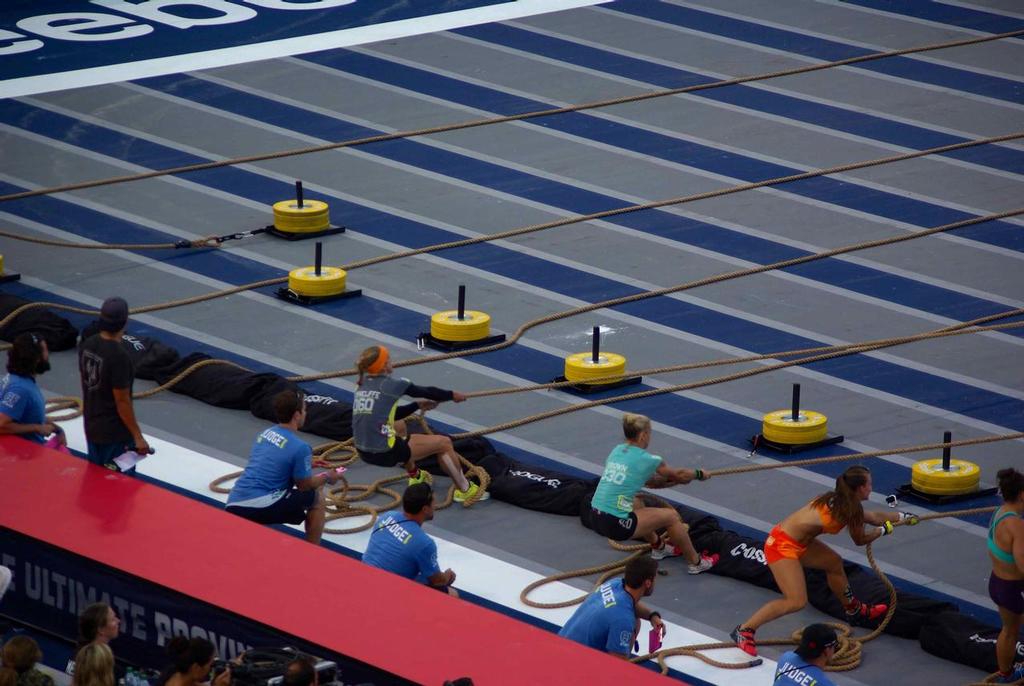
(98, 624)
(107, 375)
(301, 672)
(398, 543)
(806, 664)
(94, 666)
(22, 408)
(20, 655)
(278, 485)
(609, 619)
(191, 662)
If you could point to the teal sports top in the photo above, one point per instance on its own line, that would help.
(993, 547)
(627, 470)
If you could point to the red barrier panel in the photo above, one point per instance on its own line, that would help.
(253, 571)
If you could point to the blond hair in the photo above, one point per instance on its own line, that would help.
(94, 666)
(634, 424)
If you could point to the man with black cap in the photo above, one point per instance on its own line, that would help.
(805, 665)
(107, 376)
(22, 407)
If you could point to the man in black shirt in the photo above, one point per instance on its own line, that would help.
(107, 376)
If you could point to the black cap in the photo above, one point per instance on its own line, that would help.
(113, 315)
(814, 640)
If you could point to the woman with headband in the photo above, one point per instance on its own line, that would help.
(379, 431)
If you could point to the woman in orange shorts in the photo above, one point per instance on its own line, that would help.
(793, 544)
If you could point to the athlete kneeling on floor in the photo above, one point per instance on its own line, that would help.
(609, 619)
(617, 513)
(278, 485)
(379, 432)
(793, 544)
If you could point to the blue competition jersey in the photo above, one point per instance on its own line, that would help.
(278, 459)
(793, 670)
(399, 545)
(605, 620)
(22, 401)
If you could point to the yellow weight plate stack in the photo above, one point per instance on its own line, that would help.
(581, 368)
(312, 217)
(304, 281)
(779, 427)
(446, 325)
(928, 476)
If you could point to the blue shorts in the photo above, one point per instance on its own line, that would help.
(1007, 593)
(290, 508)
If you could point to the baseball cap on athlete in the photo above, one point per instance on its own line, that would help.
(113, 314)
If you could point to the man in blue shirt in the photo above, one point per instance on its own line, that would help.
(609, 619)
(805, 665)
(398, 543)
(278, 485)
(22, 407)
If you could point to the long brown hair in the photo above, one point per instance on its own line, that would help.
(843, 502)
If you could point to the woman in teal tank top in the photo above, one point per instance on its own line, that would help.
(617, 513)
(1006, 584)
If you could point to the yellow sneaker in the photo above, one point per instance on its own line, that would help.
(422, 477)
(463, 496)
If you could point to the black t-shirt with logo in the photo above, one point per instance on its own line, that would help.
(104, 366)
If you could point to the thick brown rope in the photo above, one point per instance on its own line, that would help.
(882, 342)
(205, 242)
(342, 503)
(504, 119)
(763, 369)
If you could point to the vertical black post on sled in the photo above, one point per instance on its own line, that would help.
(298, 194)
(595, 354)
(796, 403)
(462, 302)
(947, 436)
(319, 258)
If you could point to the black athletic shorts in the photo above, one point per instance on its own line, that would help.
(398, 454)
(611, 526)
(289, 509)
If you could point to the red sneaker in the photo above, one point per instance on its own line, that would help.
(744, 639)
(865, 613)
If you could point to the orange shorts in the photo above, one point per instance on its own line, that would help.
(780, 546)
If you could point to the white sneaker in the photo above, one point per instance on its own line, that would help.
(665, 551)
(706, 563)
